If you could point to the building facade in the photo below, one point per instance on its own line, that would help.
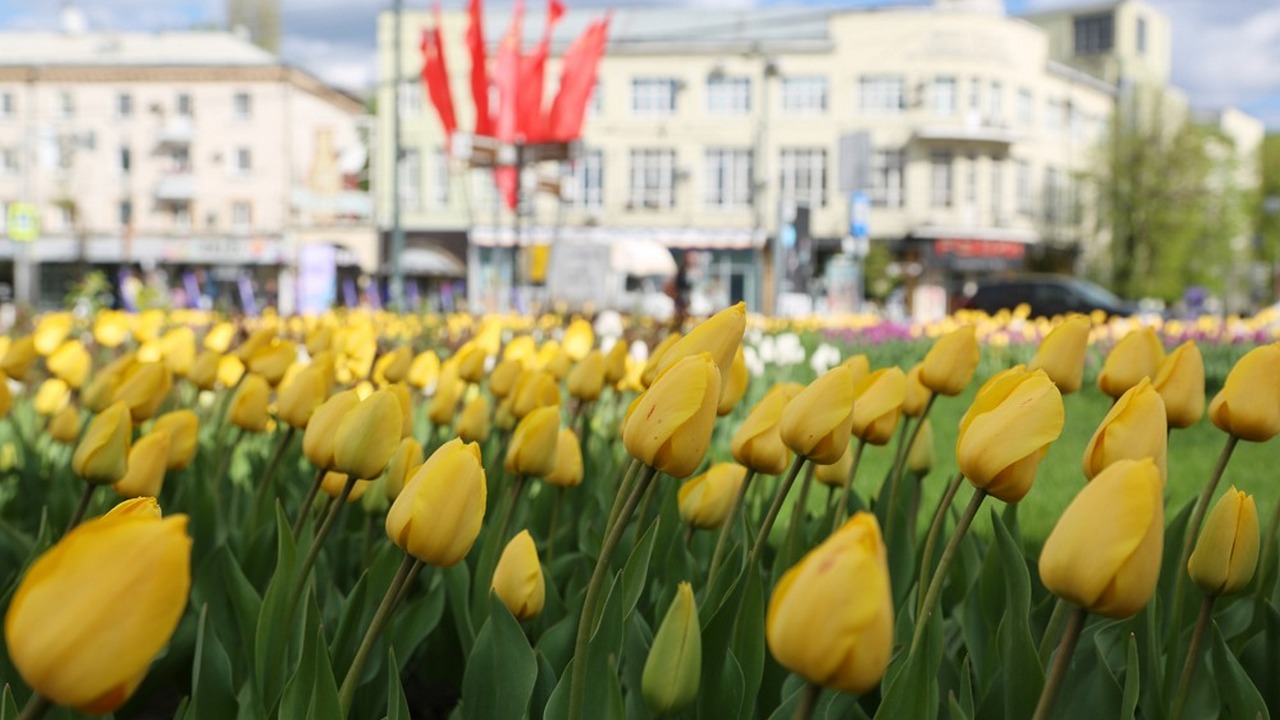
(192, 159)
(757, 143)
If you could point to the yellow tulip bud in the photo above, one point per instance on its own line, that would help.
(860, 365)
(720, 335)
(404, 462)
(145, 507)
(816, 423)
(830, 619)
(1109, 568)
(650, 371)
(586, 380)
(257, 339)
(532, 451)
(471, 360)
(920, 458)
(367, 435)
(320, 340)
(736, 383)
(64, 427)
(504, 377)
(917, 395)
(248, 408)
(615, 365)
(92, 656)
(401, 391)
(19, 358)
(51, 331)
(1226, 553)
(1016, 415)
(394, 366)
(517, 579)
(183, 428)
(111, 328)
(424, 371)
(230, 371)
(334, 483)
(438, 515)
(503, 418)
(1061, 353)
(757, 443)
(178, 350)
(1136, 356)
(877, 405)
(705, 500)
(1134, 428)
(299, 397)
(673, 670)
(103, 452)
(219, 337)
(559, 365)
(204, 370)
(520, 348)
(1180, 382)
(100, 390)
(473, 423)
(144, 389)
(71, 363)
(534, 389)
(670, 429)
(271, 361)
(448, 391)
(318, 441)
(835, 474)
(578, 339)
(1246, 406)
(568, 469)
(51, 397)
(949, 365)
(147, 460)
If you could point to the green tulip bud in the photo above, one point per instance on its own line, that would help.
(672, 672)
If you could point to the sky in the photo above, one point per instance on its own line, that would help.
(1225, 52)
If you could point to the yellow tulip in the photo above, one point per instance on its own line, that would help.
(449, 390)
(64, 427)
(424, 371)
(568, 469)
(19, 358)
(271, 361)
(404, 462)
(52, 395)
(673, 670)
(533, 444)
(650, 371)
(1061, 353)
(586, 380)
(71, 363)
(830, 619)
(367, 435)
(917, 395)
(146, 507)
(757, 443)
(1180, 382)
(178, 350)
(816, 423)
(1016, 415)
(504, 377)
(520, 348)
(256, 340)
(401, 391)
(51, 331)
(147, 460)
(144, 389)
(101, 389)
(615, 363)
(204, 370)
(1136, 356)
(1246, 406)
(534, 389)
(219, 337)
(438, 515)
(1133, 429)
(720, 335)
(835, 474)
(248, 408)
(471, 361)
(503, 418)
(230, 371)
(705, 500)
(111, 328)
(183, 428)
(394, 366)
(877, 405)
(578, 339)
(473, 423)
(334, 483)
(517, 579)
(860, 365)
(103, 452)
(299, 397)
(920, 458)
(320, 340)
(670, 428)
(735, 384)
(559, 365)
(318, 440)
(950, 363)
(91, 650)
(1226, 553)
(1110, 567)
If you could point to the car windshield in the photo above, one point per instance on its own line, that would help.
(1096, 294)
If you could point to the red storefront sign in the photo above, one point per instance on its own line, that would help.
(962, 248)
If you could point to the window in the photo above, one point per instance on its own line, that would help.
(940, 180)
(411, 180)
(124, 160)
(410, 98)
(483, 192)
(595, 105)
(180, 160)
(881, 94)
(804, 94)
(1024, 188)
(997, 190)
(653, 179)
(887, 178)
(587, 180)
(8, 105)
(944, 96)
(1054, 196)
(995, 101)
(182, 217)
(804, 176)
(183, 105)
(242, 106)
(126, 213)
(975, 95)
(728, 179)
(1053, 111)
(653, 96)
(8, 160)
(1026, 107)
(728, 95)
(1140, 41)
(124, 105)
(1094, 34)
(66, 107)
(439, 178)
(971, 182)
(241, 216)
(242, 161)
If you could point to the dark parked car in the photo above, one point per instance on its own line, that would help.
(1048, 295)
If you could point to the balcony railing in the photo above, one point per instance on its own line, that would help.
(176, 187)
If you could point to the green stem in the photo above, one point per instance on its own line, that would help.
(842, 507)
(264, 482)
(622, 493)
(307, 502)
(330, 518)
(1053, 630)
(224, 462)
(722, 542)
(407, 587)
(1060, 663)
(935, 529)
(799, 510)
(900, 461)
(1193, 655)
(808, 702)
(940, 575)
(1193, 531)
(389, 601)
(81, 508)
(577, 686)
(35, 708)
(517, 488)
(762, 536)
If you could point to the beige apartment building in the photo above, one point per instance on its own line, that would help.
(192, 160)
(738, 139)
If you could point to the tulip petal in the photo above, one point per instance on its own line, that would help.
(1030, 417)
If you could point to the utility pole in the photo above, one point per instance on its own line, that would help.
(397, 230)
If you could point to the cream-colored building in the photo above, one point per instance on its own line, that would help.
(192, 158)
(736, 138)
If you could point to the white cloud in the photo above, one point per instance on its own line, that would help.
(347, 65)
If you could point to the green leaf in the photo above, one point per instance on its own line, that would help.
(212, 695)
(357, 611)
(8, 708)
(1023, 677)
(966, 688)
(748, 636)
(275, 627)
(636, 571)
(312, 692)
(1239, 694)
(722, 676)
(397, 706)
(912, 692)
(1132, 681)
(456, 585)
(502, 658)
(415, 620)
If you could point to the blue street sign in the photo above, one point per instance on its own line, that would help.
(859, 214)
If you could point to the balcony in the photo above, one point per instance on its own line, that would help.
(973, 128)
(176, 186)
(175, 131)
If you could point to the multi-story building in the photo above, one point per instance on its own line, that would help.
(194, 158)
(739, 139)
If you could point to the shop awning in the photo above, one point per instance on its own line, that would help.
(1004, 234)
(430, 262)
(642, 257)
(675, 238)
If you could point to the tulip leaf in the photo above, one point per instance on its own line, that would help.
(1240, 696)
(722, 676)
(544, 687)
(556, 644)
(912, 691)
(456, 584)
(1132, 681)
(397, 706)
(8, 708)
(275, 627)
(312, 692)
(1023, 676)
(956, 711)
(416, 618)
(748, 635)
(636, 571)
(212, 695)
(501, 657)
(635, 651)
(966, 688)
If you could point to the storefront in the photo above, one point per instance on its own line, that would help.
(940, 268)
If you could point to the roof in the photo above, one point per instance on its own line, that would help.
(136, 49)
